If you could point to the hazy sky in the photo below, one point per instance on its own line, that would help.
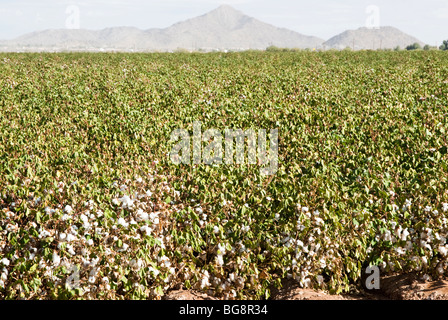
(427, 20)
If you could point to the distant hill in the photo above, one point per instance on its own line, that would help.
(365, 38)
(221, 29)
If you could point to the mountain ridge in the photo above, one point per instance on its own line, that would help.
(223, 28)
(386, 37)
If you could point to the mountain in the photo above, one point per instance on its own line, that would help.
(226, 27)
(366, 38)
(221, 29)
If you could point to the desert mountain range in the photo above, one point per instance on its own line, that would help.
(221, 29)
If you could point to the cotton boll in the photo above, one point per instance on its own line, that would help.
(445, 207)
(5, 262)
(56, 259)
(404, 235)
(443, 250)
(141, 215)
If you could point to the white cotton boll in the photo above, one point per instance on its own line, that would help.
(322, 263)
(56, 259)
(126, 202)
(215, 229)
(445, 207)
(443, 250)
(84, 218)
(141, 215)
(71, 250)
(305, 209)
(153, 215)
(199, 210)
(306, 283)
(425, 245)
(70, 237)
(116, 202)
(92, 279)
(5, 261)
(154, 271)
(68, 209)
(220, 260)
(139, 180)
(136, 264)
(319, 221)
(90, 242)
(222, 248)
(122, 222)
(65, 217)
(146, 230)
(404, 234)
(387, 236)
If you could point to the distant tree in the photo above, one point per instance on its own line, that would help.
(273, 49)
(427, 47)
(444, 45)
(414, 46)
(397, 48)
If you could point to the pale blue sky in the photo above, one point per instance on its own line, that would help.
(427, 20)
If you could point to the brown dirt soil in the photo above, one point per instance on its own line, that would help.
(187, 295)
(395, 287)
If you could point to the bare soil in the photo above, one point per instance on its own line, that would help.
(395, 287)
